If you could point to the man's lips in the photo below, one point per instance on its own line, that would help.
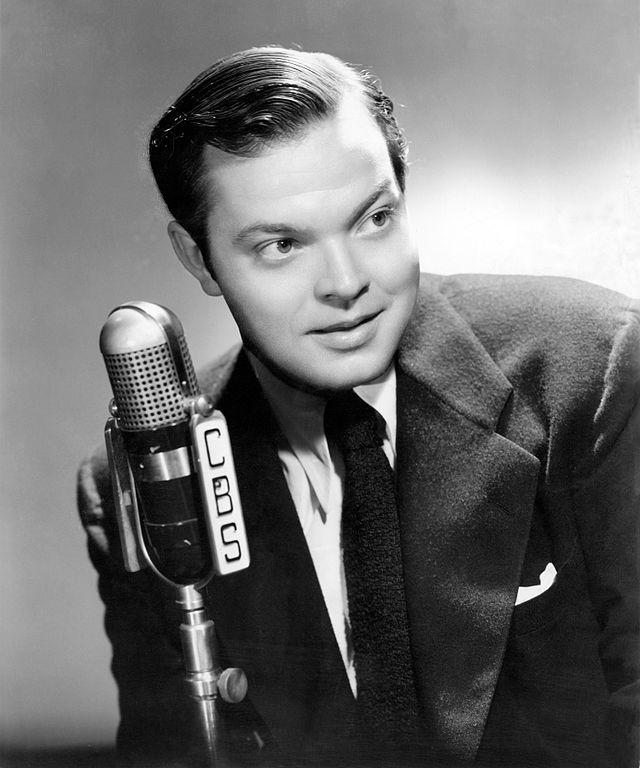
(347, 325)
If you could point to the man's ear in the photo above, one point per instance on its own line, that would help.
(191, 257)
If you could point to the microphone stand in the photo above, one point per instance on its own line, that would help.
(204, 679)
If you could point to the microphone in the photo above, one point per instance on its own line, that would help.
(177, 500)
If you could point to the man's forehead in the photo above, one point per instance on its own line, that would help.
(326, 155)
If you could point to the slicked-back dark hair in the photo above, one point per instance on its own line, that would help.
(247, 102)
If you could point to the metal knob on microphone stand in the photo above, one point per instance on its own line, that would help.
(175, 493)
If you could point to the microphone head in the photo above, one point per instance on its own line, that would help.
(148, 364)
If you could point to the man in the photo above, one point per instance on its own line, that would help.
(486, 611)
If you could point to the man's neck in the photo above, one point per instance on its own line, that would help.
(290, 402)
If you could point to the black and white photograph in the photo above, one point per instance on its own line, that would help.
(320, 385)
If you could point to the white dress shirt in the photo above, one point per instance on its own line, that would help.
(314, 473)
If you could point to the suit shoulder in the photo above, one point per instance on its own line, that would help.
(572, 349)
(567, 317)
(213, 378)
(545, 300)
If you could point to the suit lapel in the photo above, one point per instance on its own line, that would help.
(466, 495)
(271, 618)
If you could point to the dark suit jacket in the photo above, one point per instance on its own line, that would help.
(518, 444)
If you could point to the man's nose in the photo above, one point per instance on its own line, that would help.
(342, 279)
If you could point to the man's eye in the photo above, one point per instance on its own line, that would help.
(380, 218)
(278, 249)
(284, 246)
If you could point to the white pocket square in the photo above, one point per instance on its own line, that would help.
(547, 577)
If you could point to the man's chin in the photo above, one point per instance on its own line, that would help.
(324, 376)
(338, 378)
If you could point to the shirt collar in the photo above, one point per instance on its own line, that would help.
(381, 395)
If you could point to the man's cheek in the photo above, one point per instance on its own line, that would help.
(402, 279)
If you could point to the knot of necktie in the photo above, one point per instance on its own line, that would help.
(351, 423)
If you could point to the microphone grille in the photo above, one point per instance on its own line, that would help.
(146, 387)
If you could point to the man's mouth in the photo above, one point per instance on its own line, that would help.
(349, 335)
(348, 325)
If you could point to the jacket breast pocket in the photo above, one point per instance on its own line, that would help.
(539, 614)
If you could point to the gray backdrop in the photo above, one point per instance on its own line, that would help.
(522, 116)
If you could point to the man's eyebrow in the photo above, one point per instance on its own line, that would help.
(264, 229)
(284, 229)
(387, 185)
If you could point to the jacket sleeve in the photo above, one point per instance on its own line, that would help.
(606, 504)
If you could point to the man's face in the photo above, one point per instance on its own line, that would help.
(311, 248)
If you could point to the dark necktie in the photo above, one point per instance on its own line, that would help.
(387, 705)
